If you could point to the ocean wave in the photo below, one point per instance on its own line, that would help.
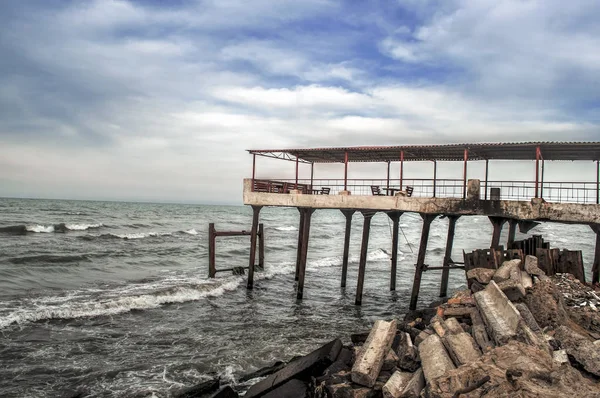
(48, 258)
(191, 232)
(42, 228)
(90, 306)
(288, 228)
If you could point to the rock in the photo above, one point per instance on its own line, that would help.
(407, 354)
(370, 359)
(583, 350)
(391, 360)
(526, 280)
(481, 275)
(453, 326)
(434, 358)
(268, 370)
(422, 336)
(415, 385)
(528, 317)
(503, 273)
(531, 266)
(546, 305)
(514, 370)
(292, 389)
(341, 390)
(396, 384)
(499, 314)
(302, 368)
(597, 343)
(560, 356)
(477, 287)
(479, 332)
(462, 348)
(199, 390)
(513, 289)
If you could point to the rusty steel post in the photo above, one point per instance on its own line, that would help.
(348, 214)
(299, 250)
(254, 233)
(487, 162)
(346, 171)
(362, 265)
(466, 157)
(537, 169)
(261, 246)
(395, 216)
(497, 223)
(434, 175)
(212, 269)
(448, 255)
(388, 175)
(401, 168)
(253, 170)
(596, 266)
(420, 266)
(307, 216)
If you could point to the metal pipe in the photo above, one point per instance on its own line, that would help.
(537, 170)
(346, 171)
(253, 169)
(466, 157)
(487, 162)
(401, 168)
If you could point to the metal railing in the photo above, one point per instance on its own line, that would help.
(551, 191)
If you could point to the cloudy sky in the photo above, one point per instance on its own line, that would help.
(158, 100)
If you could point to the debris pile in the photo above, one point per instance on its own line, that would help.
(514, 332)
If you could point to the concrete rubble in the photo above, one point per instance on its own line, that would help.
(515, 332)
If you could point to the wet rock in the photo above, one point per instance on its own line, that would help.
(583, 350)
(199, 390)
(504, 272)
(481, 275)
(370, 359)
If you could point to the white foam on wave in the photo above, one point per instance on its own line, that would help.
(191, 232)
(82, 227)
(40, 228)
(288, 228)
(141, 235)
(87, 305)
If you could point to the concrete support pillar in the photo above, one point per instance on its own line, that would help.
(512, 231)
(253, 235)
(368, 215)
(299, 251)
(448, 255)
(497, 223)
(414, 296)
(348, 214)
(395, 216)
(596, 266)
(305, 234)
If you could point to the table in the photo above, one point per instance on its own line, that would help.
(391, 190)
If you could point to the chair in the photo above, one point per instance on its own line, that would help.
(375, 190)
(409, 190)
(325, 191)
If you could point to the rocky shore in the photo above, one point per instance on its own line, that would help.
(514, 333)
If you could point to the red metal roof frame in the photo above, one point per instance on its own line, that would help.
(447, 152)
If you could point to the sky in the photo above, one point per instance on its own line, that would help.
(159, 100)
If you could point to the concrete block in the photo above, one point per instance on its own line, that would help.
(302, 368)
(528, 317)
(462, 348)
(481, 275)
(580, 348)
(422, 336)
(415, 385)
(344, 193)
(370, 359)
(479, 332)
(434, 358)
(513, 289)
(396, 384)
(560, 356)
(526, 280)
(391, 360)
(499, 314)
(453, 326)
(407, 354)
(503, 273)
(531, 266)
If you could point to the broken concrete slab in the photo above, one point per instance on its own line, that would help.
(200, 389)
(453, 326)
(560, 356)
(391, 360)
(462, 348)
(302, 368)
(481, 275)
(526, 280)
(370, 359)
(528, 317)
(479, 332)
(580, 348)
(503, 273)
(407, 354)
(531, 266)
(499, 314)
(396, 384)
(434, 358)
(422, 336)
(415, 385)
(225, 392)
(513, 289)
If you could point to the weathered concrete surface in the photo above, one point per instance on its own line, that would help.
(531, 266)
(515, 370)
(415, 385)
(526, 280)
(462, 348)
(560, 356)
(370, 359)
(434, 358)
(508, 270)
(546, 304)
(499, 314)
(513, 289)
(481, 275)
(453, 326)
(407, 354)
(528, 317)
(396, 384)
(582, 349)
(390, 361)
(521, 210)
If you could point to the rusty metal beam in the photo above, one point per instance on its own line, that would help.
(348, 214)
(255, 213)
(420, 266)
(448, 255)
(362, 265)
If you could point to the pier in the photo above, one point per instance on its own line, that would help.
(509, 202)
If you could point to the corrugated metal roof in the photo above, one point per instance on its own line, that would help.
(445, 152)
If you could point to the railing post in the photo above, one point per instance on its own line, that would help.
(312, 174)
(542, 181)
(537, 170)
(388, 175)
(346, 171)
(434, 175)
(401, 168)
(597, 182)
(296, 187)
(466, 157)
(486, 178)
(253, 170)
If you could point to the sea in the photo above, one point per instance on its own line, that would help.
(112, 299)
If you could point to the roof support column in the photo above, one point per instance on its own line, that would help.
(466, 157)
(253, 170)
(542, 181)
(388, 175)
(296, 171)
(346, 171)
(312, 174)
(487, 163)
(434, 175)
(401, 168)
(537, 170)
(597, 182)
